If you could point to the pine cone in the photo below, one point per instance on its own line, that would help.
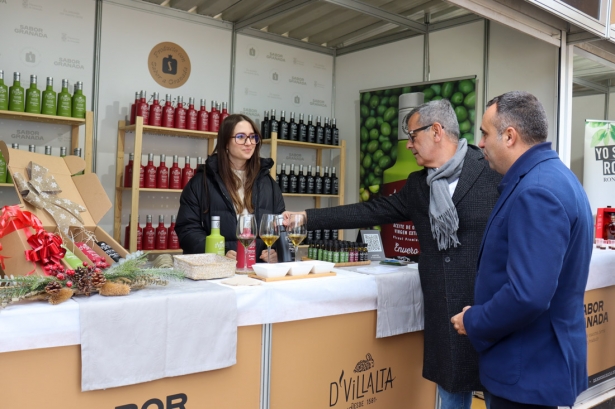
(98, 279)
(53, 287)
(83, 280)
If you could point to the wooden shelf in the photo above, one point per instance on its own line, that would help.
(50, 119)
(168, 251)
(159, 130)
(302, 144)
(146, 189)
(309, 195)
(6, 185)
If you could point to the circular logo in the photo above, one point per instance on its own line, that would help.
(252, 51)
(297, 100)
(30, 56)
(169, 65)
(274, 76)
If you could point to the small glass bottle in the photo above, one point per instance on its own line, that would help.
(32, 148)
(168, 112)
(273, 124)
(334, 182)
(150, 172)
(180, 114)
(224, 114)
(65, 101)
(142, 109)
(162, 173)
(328, 133)
(78, 103)
(172, 239)
(310, 181)
(33, 97)
(284, 179)
(320, 132)
(48, 150)
(326, 190)
(17, 100)
(214, 118)
(161, 234)
(301, 181)
(214, 243)
(302, 130)
(202, 118)
(311, 131)
(265, 126)
(155, 111)
(283, 127)
(191, 116)
(49, 102)
(318, 182)
(128, 170)
(62, 151)
(293, 129)
(175, 175)
(335, 132)
(149, 234)
(4, 94)
(292, 180)
(187, 172)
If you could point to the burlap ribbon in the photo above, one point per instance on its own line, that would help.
(41, 190)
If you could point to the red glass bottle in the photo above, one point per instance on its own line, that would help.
(172, 239)
(128, 170)
(175, 175)
(162, 173)
(133, 108)
(224, 112)
(191, 115)
(187, 172)
(149, 235)
(142, 176)
(214, 117)
(180, 114)
(143, 108)
(150, 172)
(155, 112)
(202, 120)
(168, 113)
(161, 234)
(139, 234)
(127, 234)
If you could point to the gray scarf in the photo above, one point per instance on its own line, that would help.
(442, 212)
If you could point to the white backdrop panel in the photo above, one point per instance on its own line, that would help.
(46, 38)
(128, 36)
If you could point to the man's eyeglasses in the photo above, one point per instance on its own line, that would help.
(242, 138)
(412, 134)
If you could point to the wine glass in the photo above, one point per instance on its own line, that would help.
(269, 232)
(246, 234)
(296, 231)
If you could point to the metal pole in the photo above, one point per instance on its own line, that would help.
(233, 58)
(486, 62)
(426, 49)
(96, 80)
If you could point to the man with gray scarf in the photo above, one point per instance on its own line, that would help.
(449, 202)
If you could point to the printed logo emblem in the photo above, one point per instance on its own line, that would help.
(169, 65)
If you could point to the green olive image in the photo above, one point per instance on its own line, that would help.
(372, 147)
(366, 97)
(385, 129)
(373, 101)
(377, 154)
(374, 134)
(386, 146)
(364, 134)
(375, 188)
(370, 122)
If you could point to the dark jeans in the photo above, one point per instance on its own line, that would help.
(501, 403)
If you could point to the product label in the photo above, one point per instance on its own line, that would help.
(155, 117)
(150, 181)
(49, 100)
(3, 97)
(142, 177)
(64, 102)
(150, 239)
(203, 121)
(163, 178)
(311, 134)
(302, 134)
(180, 119)
(161, 239)
(176, 178)
(173, 240)
(400, 240)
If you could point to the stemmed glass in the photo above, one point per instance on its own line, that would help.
(246, 234)
(269, 232)
(296, 231)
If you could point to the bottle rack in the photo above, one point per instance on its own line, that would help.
(139, 130)
(74, 123)
(274, 142)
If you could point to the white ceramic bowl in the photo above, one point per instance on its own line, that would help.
(300, 268)
(271, 270)
(320, 266)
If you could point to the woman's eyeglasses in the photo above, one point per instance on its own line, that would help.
(242, 138)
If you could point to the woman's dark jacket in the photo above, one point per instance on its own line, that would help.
(194, 225)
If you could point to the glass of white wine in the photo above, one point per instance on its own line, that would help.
(269, 232)
(246, 234)
(296, 231)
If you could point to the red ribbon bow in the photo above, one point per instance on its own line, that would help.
(46, 247)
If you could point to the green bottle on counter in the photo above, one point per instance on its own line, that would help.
(33, 97)
(78, 106)
(49, 104)
(16, 95)
(4, 93)
(64, 100)
(214, 243)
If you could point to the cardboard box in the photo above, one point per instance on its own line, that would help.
(85, 190)
(603, 219)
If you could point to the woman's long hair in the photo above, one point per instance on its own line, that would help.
(253, 165)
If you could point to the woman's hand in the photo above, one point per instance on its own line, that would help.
(231, 254)
(273, 259)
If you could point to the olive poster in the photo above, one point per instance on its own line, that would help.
(385, 162)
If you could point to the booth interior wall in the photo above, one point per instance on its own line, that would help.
(128, 36)
(518, 61)
(585, 107)
(46, 38)
(391, 64)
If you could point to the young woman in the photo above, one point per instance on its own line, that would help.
(234, 180)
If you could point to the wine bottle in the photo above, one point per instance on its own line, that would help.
(320, 132)
(150, 172)
(292, 179)
(202, 119)
(128, 170)
(301, 181)
(155, 111)
(326, 190)
(336, 133)
(172, 239)
(334, 183)
(161, 234)
(302, 130)
(292, 128)
(265, 126)
(65, 101)
(17, 101)
(49, 101)
(149, 234)
(283, 127)
(162, 173)
(311, 181)
(168, 112)
(273, 124)
(179, 121)
(328, 133)
(311, 131)
(214, 243)
(191, 115)
(78, 102)
(284, 179)
(318, 182)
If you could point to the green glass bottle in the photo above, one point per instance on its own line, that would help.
(4, 93)
(33, 97)
(78, 106)
(49, 103)
(214, 243)
(64, 100)
(16, 95)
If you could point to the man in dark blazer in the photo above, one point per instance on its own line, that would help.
(452, 197)
(527, 321)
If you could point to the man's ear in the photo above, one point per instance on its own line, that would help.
(438, 130)
(511, 136)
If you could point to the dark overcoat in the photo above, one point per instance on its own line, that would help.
(447, 276)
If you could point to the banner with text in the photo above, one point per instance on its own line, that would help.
(599, 164)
